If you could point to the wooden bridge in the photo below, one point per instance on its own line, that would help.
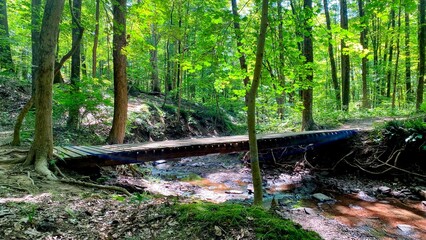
(92, 156)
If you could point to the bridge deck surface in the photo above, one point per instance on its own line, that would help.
(89, 156)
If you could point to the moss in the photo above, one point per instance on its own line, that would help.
(266, 225)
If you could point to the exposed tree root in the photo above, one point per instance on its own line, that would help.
(39, 159)
(15, 150)
(12, 161)
(16, 188)
(87, 184)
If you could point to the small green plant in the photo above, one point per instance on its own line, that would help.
(31, 214)
(139, 198)
(118, 198)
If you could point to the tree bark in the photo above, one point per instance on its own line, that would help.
(308, 53)
(95, 40)
(251, 111)
(42, 147)
(5, 50)
(345, 64)
(422, 43)
(118, 130)
(74, 109)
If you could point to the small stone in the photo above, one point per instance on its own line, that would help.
(397, 194)
(217, 231)
(322, 197)
(309, 211)
(424, 203)
(384, 189)
(364, 196)
(234, 192)
(405, 229)
(423, 193)
(355, 207)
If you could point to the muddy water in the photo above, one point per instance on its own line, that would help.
(383, 216)
(224, 178)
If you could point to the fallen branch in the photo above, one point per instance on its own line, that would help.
(86, 184)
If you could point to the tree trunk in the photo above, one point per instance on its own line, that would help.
(389, 66)
(5, 51)
(308, 53)
(238, 36)
(345, 64)
(83, 60)
(331, 56)
(118, 130)
(95, 40)
(74, 109)
(155, 87)
(35, 38)
(422, 43)
(42, 147)
(409, 91)
(281, 98)
(364, 67)
(251, 111)
(395, 79)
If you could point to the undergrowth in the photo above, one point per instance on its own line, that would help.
(209, 219)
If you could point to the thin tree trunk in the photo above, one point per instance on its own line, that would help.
(42, 147)
(308, 53)
(331, 56)
(281, 98)
(95, 39)
(409, 91)
(35, 38)
(118, 130)
(251, 111)
(389, 66)
(364, 43)
(395, 79)
(74, 109)
(155, 87)
(238, 36)
(83, 60)
(345, 64)
(5, 51)
(422, 43)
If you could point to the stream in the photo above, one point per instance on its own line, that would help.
(342, 207)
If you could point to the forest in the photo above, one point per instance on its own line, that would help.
(110, 72)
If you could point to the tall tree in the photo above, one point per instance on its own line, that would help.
(422, 44)
(308, 53)
(331, 56)
(5, 51)
(395, 79)
(391, 45)
(74, 110)
(155, 86)
(345, 64)
(42, 147)
(118, 130)
(251, 111)
(238, 36)
(95, 39)
(408, 89)
(364, 43)
(35, 37)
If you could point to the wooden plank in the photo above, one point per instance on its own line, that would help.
(74, 150)
(67, 154)
(99, 149)
(89, 150)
